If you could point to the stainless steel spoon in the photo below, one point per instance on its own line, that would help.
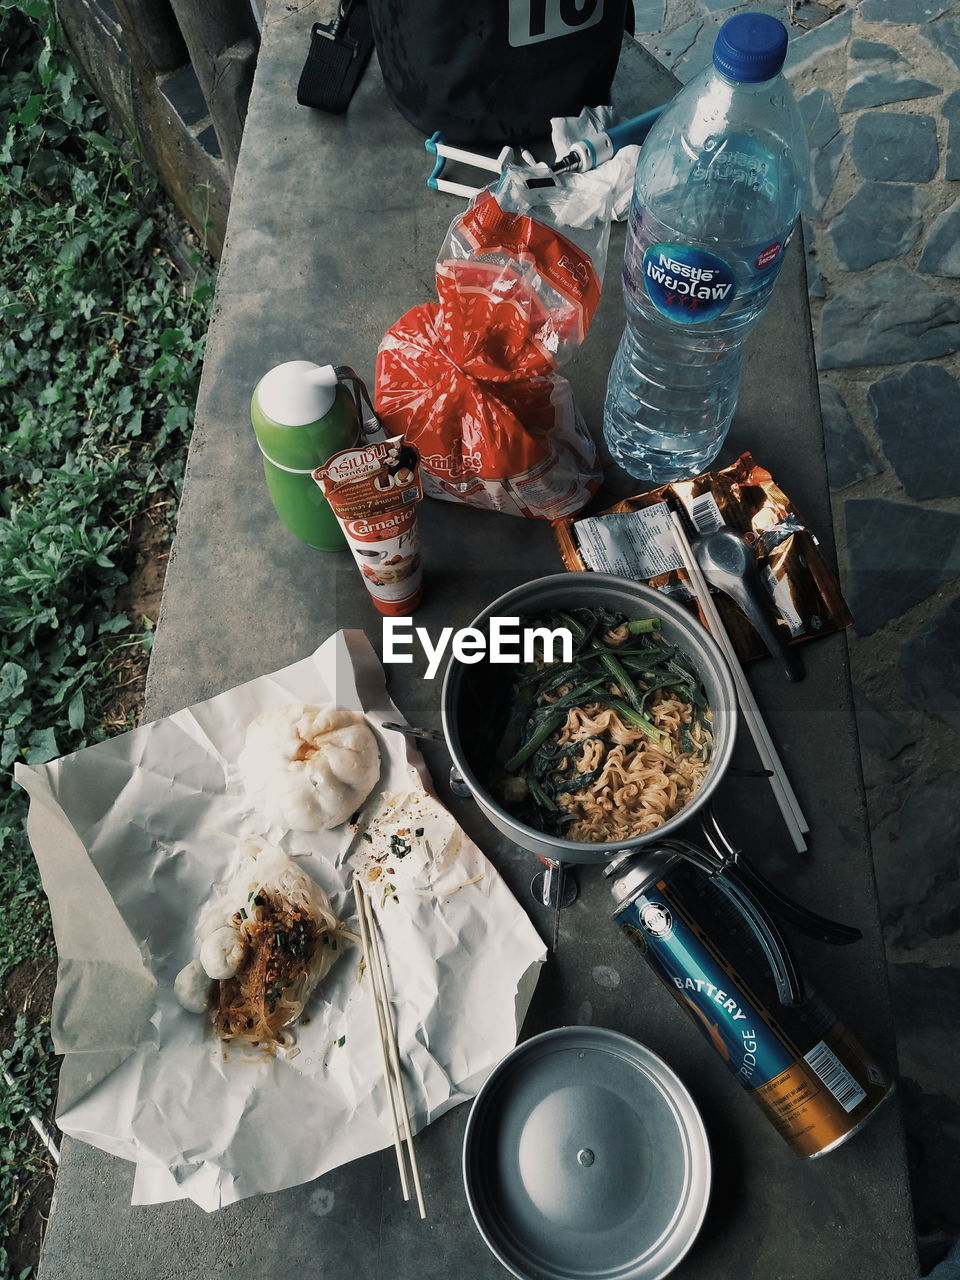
(729, 564)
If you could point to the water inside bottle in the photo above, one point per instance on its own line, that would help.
(674, 383)
(716, 196)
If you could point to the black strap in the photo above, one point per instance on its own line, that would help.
(370, 423)
(339, 52)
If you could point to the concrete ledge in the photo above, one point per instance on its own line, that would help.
(332, 236)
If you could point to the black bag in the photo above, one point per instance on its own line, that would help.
(496, 71)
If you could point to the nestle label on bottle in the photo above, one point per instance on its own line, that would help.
(688, 285)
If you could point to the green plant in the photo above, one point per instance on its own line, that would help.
(28, 1084)
(101, 343)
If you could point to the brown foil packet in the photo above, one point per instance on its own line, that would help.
(633, 539)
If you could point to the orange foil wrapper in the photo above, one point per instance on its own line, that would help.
(633, 539)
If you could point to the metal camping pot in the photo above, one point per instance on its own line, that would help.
(469, 692)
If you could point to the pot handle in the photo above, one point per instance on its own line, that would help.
(790, 912)
(774, 945)
(432, 735)
(458, 783)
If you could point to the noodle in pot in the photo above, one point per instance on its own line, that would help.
(640, 786)
(611, 746)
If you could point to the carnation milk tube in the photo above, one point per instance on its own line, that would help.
(373, 490)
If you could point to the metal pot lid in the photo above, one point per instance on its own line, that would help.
(585, 1156)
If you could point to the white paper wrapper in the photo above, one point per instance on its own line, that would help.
(132, 834)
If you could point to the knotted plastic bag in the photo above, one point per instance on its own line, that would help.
(472, 380)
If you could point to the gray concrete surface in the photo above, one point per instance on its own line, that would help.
(332, 236)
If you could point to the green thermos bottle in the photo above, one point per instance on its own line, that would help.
(302, 414)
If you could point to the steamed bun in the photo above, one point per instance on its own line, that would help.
(192, 987)
(309, 768)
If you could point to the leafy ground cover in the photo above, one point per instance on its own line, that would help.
(101, 343)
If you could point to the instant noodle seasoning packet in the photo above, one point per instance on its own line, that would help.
(373, 490)
(634, 539)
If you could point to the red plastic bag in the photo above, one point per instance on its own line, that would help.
(471, 380)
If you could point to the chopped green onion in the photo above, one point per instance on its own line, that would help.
(399, 846)
(626, 712)
(576, 695)
(619, 673)
(539, 795)
(539, 738)
(576, 629)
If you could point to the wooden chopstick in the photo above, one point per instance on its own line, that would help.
(779, 783)
(793, 816)
(392, 1068)
(394, 1051)
(382, 1028)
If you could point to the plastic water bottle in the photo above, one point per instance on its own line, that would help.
(715, 201)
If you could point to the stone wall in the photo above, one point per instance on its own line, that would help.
(878, 83)
(151, 91)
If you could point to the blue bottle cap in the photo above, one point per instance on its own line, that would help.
(750, 47)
